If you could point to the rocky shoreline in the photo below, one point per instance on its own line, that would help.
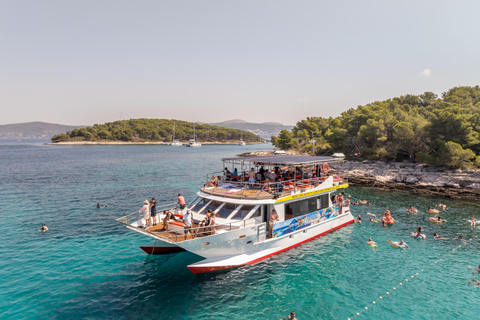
(81, 143)
(417, 178)
(438, 182)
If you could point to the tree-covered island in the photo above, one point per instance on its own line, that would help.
(424, 128)
(154, 130)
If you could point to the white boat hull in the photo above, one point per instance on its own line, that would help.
(245, 250)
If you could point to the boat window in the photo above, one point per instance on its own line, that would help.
(226, 210)
(214, 206)
(242, 212)
(194, 202)
(302, 207)
(200, 205)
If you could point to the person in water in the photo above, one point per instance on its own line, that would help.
(476, 270)
(402, 243)
(43, 228)
(358, 219)
(473, 221)
(291, 316)
(437, 237)
(98, 205)
(419, 232)
(475, 282)
(371, 242)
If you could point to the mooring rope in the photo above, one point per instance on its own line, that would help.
(411, 278)
(151, 254)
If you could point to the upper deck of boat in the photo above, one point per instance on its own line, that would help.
(304, 173)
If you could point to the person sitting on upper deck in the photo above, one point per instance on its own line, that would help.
(278, 186)
(213, 182)
(267, 186)
(227, 174)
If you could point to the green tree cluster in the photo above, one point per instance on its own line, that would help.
(154, 130)
(440, 131)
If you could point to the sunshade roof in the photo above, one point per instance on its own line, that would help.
(283, 159)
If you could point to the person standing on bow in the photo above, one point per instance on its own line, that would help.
(146, 213)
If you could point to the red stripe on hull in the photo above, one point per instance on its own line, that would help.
(198, 270)
(161, 250)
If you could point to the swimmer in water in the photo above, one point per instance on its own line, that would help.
(371, 242)
(291, 316)
(473, 221)
(98, 205)
(437, 237)
(358, 219)
(43, 228)
(475, 270)
(475, 282)
(402, 243)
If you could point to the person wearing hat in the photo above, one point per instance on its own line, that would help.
(146, 213)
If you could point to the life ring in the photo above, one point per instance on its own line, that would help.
(325, 168)
(397, 245)
(421, 236)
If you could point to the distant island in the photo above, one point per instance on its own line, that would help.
(425, 128)
(264, 130)
(33, 130)
(153, 131)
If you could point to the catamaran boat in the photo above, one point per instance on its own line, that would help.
(245, 229)
(174, 142)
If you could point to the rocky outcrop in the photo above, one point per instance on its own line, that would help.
(441, 182)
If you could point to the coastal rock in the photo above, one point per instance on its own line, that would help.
(440, 182)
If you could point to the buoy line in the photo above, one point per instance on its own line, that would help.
(411, 278)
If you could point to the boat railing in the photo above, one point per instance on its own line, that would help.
(199, 232)
(242, 188)
(137, 216)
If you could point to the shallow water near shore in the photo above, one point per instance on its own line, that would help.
(89, 266)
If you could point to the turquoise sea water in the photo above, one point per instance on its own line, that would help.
(87, 266)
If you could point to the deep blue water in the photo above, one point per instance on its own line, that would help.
(89, 266)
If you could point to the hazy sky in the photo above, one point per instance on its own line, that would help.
(86, 62)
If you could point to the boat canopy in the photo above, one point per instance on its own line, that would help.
(283, 160)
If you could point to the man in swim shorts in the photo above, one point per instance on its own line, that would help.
(371, 242)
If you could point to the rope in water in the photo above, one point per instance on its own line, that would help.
(411, 277)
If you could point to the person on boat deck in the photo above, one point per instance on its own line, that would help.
(187, 222)
(371, 242)
(43, 228)
(227, 173)
(278, 186)
(181, 201)
(211, 222)
(167, 216)
(266, 185)
(205, 222)
(153, 211)
(146, 212)
(235, 172)
(213, 182)
(273, 217)
(251, 176)
(291, 316)
(340, 202)
(262, 172)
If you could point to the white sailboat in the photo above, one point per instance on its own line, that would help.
(193, 142)
(241, 143)
(174, 141)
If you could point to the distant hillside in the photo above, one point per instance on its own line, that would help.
(264, 130)
(36, 130)
(143, 130)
